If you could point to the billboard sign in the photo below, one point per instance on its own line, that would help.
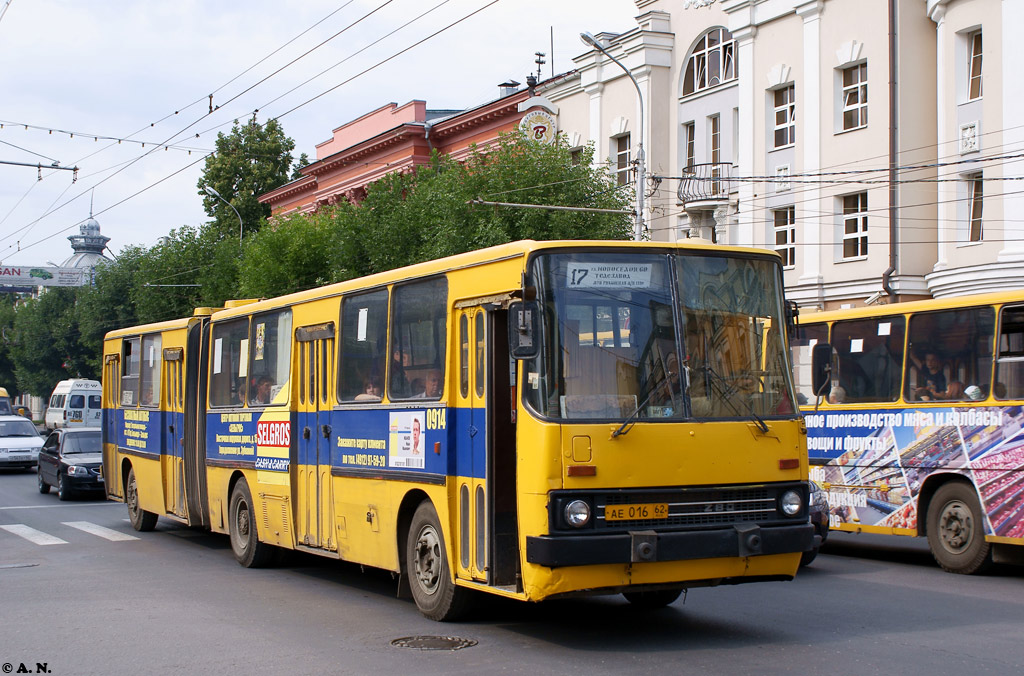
(38, 275)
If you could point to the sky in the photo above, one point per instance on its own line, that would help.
(85, 83)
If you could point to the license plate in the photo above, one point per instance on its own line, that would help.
(650, 510)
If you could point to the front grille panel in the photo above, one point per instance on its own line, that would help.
(696, 508)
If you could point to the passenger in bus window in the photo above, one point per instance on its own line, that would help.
(931, 377)
(432, 388)
(837, 395)
(372, 390)
(974, 393)
(262, 393)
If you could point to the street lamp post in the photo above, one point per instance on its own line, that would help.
(213, 193)
(638, 226)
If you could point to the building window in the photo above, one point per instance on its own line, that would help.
(855, 225)
(976, 202)
(785, 116)
(712, 62)
(855, 97)
(785, 235)
(974, 67)
(576, 156)
(689, 131)
(716, 154)
(621, 160)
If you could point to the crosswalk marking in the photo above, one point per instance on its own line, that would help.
(33, 535)
(101, 531)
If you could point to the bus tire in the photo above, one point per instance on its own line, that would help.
(652, 600)
(426, 562)
(245, 542)
(141, 520)
(956, 530)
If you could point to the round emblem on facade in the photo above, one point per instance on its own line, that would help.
(539, 126)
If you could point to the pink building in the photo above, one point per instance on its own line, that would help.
(397, 138)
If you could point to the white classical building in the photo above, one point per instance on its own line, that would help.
(876, 144)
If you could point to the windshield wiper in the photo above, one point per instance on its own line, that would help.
(726, 389)
(628, 423)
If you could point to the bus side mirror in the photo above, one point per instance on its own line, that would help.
(792, 311)
(821, 368)
(523, 318)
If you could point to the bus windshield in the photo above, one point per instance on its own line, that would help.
(658, 336)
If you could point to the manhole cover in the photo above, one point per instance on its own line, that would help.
(433, 642)
(18, 565)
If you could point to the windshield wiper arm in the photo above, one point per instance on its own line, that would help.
(728, 392)
(628, 423)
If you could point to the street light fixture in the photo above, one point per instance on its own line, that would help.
(213, 193)
(638, 226)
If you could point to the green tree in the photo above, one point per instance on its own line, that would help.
(46, 346)
(407, 218)
(251, 160)
(7, 378)
(295, 253)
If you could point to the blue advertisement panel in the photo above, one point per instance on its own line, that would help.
(876, 461)
(139, 430)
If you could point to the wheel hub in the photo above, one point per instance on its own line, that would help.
(956, 526)
(427, 560)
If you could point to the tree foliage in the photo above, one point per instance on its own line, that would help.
(251, 160)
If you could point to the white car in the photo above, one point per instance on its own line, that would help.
(19, 442)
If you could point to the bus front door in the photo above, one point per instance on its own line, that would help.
(314, 500)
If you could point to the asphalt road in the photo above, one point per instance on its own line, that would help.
(174, 601)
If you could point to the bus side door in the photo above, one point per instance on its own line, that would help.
(314, 504)
(472, 468)
(173, 404)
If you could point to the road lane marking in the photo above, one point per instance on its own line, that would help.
(32, 535)
(101, 531)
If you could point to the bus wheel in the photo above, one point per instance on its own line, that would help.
(652, 600)
(141, 519)
(426, 563)
(956, 531)
(245, 543)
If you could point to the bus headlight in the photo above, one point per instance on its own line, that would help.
(791, 503)
(577, 513)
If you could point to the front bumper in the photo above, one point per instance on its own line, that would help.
(24, 459)
(649, 546)
(90, 482)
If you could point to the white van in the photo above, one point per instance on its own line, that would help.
(75, 403)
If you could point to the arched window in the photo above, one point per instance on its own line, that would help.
(712, 61)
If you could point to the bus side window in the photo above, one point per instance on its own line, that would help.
(950, 351)
(130, 363)
(870, 355)
(229, 363)
(364, 327)
(1009, 380)
(418, 338)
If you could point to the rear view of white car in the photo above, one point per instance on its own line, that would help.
(75, 403)
(19, 442)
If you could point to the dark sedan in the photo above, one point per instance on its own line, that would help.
(70, 459)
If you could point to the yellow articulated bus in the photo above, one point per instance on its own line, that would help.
(920, 429)
(533, 420)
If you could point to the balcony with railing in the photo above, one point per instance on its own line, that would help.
(706, 186)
